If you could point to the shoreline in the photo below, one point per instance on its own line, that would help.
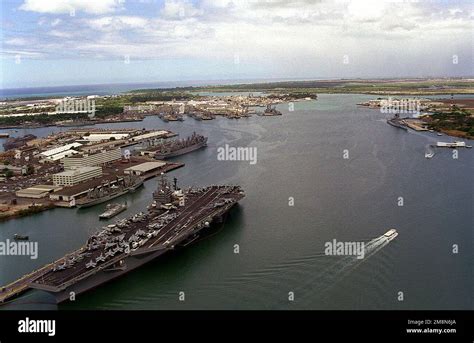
(22, 211)
(22, 127)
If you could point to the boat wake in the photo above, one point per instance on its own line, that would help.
(308, 277)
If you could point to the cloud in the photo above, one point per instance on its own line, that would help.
(55, 22)
(60, 34)
(116, 23)
(17, 41)
(179, 9)
(66, 6)
(280, 36)
(366, 10)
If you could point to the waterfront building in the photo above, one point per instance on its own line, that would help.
(75, 176)
(104, 136)
(144, 168)
(93, 160)
(37, 191)
(97, 147)
(60, 152)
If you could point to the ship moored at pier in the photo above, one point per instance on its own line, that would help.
(175, 218)
(397, 122)
(180, 146)
(109, 191)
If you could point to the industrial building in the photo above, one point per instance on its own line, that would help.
(144, 168)
(94, 160)
(97, 137)
(107, 145)
(61, 155)
(60, 152)
(14, 169)
(75, 176)
(150, 135)
(37, 191)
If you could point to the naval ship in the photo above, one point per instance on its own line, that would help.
(17, 142)
(397, 122)
(180, 146)
(174, 219)
(271, 111)
(111, 210)
(108, 191)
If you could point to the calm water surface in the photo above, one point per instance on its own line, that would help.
(300, 155)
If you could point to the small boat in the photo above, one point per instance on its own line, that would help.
(439, 134)
(431, 130)
(469, 146)
(18, 237)
(112, 210)
(429, 154)
(390, 234)
(456, 144)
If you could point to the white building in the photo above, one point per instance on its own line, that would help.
(97, 137)
(149, 135)
(37, 191)
(59, 152)
(98, 159)
(144, 168)
(57, 157)
(75, 176)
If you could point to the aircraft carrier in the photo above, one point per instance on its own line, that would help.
(175, 218)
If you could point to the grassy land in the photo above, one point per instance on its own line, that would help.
(292, 89)
(393, 87)
(456, 122)
(104, 107)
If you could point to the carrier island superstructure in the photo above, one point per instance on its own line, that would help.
(175, 218)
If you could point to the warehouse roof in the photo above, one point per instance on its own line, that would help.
(37, 190)
(60, 149)
(77, 171)
(159, 133)
(61, 155)
(147, 166)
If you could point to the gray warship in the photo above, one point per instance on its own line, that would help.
(174, 219)
(180, 146)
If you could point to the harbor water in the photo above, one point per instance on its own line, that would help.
(301, 193)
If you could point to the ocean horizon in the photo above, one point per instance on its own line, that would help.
(117, 88)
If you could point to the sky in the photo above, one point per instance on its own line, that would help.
(73, 42)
